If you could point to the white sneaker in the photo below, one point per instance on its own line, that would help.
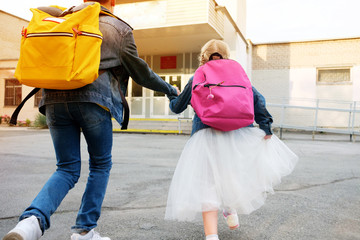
(92, 235)
(232, 219)
(26, 229)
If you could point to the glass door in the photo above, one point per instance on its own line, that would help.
(136, 100)
(145, 103)
(159, 103)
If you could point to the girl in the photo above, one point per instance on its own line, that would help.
(228, 171)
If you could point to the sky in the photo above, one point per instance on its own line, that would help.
(296, 20)
(267, 20)
(21, 7)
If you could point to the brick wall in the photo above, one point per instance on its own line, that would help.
(340, 52)
(10, 35)
(289, 71)
(9, 54)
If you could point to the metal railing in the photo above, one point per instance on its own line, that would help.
(344, 119)
(181, 119)
(313, 115)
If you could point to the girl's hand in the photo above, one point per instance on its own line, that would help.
(267, 137)
(177, 90)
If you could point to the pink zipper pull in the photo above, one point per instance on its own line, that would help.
(24, 32)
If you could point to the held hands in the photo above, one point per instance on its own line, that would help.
(177, 90)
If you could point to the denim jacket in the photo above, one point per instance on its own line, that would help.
(118, 51)
(262, 116)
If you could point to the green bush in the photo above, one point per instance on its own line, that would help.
(40, 121)
(27, 122)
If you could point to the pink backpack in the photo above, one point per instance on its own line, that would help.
(222, 95)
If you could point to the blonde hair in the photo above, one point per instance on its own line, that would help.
(211, 47)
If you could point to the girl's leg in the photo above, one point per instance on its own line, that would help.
(210, 220)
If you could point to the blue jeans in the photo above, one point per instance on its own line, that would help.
(66, 121)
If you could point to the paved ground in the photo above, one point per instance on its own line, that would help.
(320, 200)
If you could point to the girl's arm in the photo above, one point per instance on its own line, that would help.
(262, 116)
(180, 103)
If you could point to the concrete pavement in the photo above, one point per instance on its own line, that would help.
(320, 200)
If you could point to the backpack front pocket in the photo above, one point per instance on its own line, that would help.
(87, 54)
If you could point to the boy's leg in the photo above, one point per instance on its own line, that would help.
(66, 140)
(96, 126)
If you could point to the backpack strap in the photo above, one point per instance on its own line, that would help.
(125, 122)
(104, 11)
(115, 72)
(15, 114)
(124, 125)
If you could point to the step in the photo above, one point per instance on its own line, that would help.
(156, 125)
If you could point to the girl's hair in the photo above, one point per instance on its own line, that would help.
(211, 47)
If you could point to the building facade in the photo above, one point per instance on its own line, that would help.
(11, 92)
(323, 73)
(168, 34)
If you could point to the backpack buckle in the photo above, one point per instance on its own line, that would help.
(77, 31)
(67, 11)
(24, 32)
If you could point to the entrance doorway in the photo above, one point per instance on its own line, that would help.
(145, 103)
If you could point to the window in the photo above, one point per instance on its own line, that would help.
(175, 81)
(136, 90)
(333, 76)
(13, 90)
(37, 98)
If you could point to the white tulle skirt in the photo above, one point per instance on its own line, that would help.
(233, 169)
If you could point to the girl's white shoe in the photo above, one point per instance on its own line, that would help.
(212, 237)
(231, 219)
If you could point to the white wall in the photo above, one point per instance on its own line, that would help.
(355, 76)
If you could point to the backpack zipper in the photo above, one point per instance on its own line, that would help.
(91, 35)
(53, 34)
(212, 85)
(61, 34)
(88, 34)
(219, 85)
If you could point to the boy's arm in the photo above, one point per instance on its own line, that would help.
(140, 71)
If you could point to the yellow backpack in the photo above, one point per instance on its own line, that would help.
(60, 52)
